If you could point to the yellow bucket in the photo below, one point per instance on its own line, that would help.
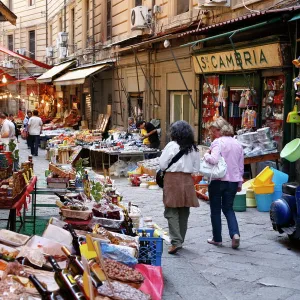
(264, 189)
(264, 177)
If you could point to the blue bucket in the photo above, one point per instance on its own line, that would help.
(279, 177)
(277, 192)
(263, 202)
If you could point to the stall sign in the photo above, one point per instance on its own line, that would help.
(259, 57)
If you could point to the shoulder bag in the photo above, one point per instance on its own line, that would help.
(213, 171)
(160, 175)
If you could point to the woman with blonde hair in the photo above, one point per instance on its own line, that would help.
(223, 190)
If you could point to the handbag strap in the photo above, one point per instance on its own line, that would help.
(175, 159)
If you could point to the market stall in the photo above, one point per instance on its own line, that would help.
(110, 257)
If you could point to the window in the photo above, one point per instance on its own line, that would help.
(72, 33)
(87, 16)
(138, 2)
(10, 42)
(32, 44)
(60, 24)
(108, 19)
(31, 2)
(182, 6)
(50, 34)
(181, 107)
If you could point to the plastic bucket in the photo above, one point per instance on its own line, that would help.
(263, 202)
(250, 202)
(277, 192)
(291, 151)
(239, 203)
(264, 177)
(279, 177)
(264, 189)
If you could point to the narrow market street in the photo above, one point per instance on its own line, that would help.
(265, 267)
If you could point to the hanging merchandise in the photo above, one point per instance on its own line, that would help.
(243, 101)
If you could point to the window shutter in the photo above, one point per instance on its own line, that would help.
(10, 42)
(32, 44)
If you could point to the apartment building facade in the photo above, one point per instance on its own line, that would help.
(142, 78)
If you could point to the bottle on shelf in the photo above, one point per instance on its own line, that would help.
(75, 239)
(86, 185)
(45, 294)
(66, 281)
(76, 267)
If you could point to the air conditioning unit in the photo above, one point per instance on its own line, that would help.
(49, 52)
(139, 18)
(215, 3)
(21, 51)
(62, 52)
(62, 38)
(7, 64)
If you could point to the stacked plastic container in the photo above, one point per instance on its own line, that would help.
(267, 187)
(263, 188)
(279, 178)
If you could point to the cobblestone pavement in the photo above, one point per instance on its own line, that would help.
(265, 267)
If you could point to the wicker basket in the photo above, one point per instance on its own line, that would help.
(76, 214)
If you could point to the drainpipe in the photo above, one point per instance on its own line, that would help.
(93, 30)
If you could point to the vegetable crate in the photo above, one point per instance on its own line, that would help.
(151, 248)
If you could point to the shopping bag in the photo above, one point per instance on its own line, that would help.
(153, 284)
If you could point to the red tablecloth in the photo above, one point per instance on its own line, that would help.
(26, 195)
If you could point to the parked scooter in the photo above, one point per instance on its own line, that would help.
(285, 212)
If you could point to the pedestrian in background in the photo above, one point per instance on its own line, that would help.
(7, 127)
(12, 119)
(179, 191)
(35, 125)
(222, 191)
(25, 130)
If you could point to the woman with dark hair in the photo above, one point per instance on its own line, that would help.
(179, 191)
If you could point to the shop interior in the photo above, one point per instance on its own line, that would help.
(248, 101)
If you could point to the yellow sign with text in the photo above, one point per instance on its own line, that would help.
(259, 57)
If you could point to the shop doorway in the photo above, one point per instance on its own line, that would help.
(135, 106)
(181, 107)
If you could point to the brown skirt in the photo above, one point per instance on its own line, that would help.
(179, 190)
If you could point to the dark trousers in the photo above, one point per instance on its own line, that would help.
(34, 144)
(221, 197)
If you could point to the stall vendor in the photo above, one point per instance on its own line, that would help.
(131, 125)
(152, 134)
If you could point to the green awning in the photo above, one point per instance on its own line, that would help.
(294, 18)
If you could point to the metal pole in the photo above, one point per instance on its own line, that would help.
(145, 77)
(186, 87)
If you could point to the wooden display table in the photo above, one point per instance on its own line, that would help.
(266, 157)
(20, 204)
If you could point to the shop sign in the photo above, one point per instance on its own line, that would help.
(259, 57)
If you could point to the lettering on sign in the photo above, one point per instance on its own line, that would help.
(259, 57)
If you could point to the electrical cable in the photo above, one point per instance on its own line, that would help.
(250, 8)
